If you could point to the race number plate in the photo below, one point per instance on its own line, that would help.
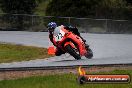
(59, 36)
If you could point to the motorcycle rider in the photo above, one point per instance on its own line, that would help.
(52, 25)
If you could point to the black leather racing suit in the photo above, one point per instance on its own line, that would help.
(75, 31)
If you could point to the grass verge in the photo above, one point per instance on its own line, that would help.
(10, 53)
(61, 81)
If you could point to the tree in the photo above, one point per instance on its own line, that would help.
(89, 8)
(129, 1)
(114, 9)
(76, 8)
(17, 7)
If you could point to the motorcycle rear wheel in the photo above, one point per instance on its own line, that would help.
(72, 52)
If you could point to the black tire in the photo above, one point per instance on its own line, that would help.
(72, 52)
(90, 54)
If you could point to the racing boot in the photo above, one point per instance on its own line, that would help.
(59, 52)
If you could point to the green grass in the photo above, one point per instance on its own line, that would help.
(61, 81)
(10, 53)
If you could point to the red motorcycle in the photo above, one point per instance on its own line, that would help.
(71, 43)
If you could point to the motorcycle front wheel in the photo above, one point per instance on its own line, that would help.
(72, 52)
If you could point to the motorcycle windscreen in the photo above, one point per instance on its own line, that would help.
(58, 34)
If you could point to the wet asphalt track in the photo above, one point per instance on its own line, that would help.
(107, 48)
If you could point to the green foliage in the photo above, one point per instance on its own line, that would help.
(41, 8)
(129, 2)
(77, 8)
(115, 9)
(18, 6)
